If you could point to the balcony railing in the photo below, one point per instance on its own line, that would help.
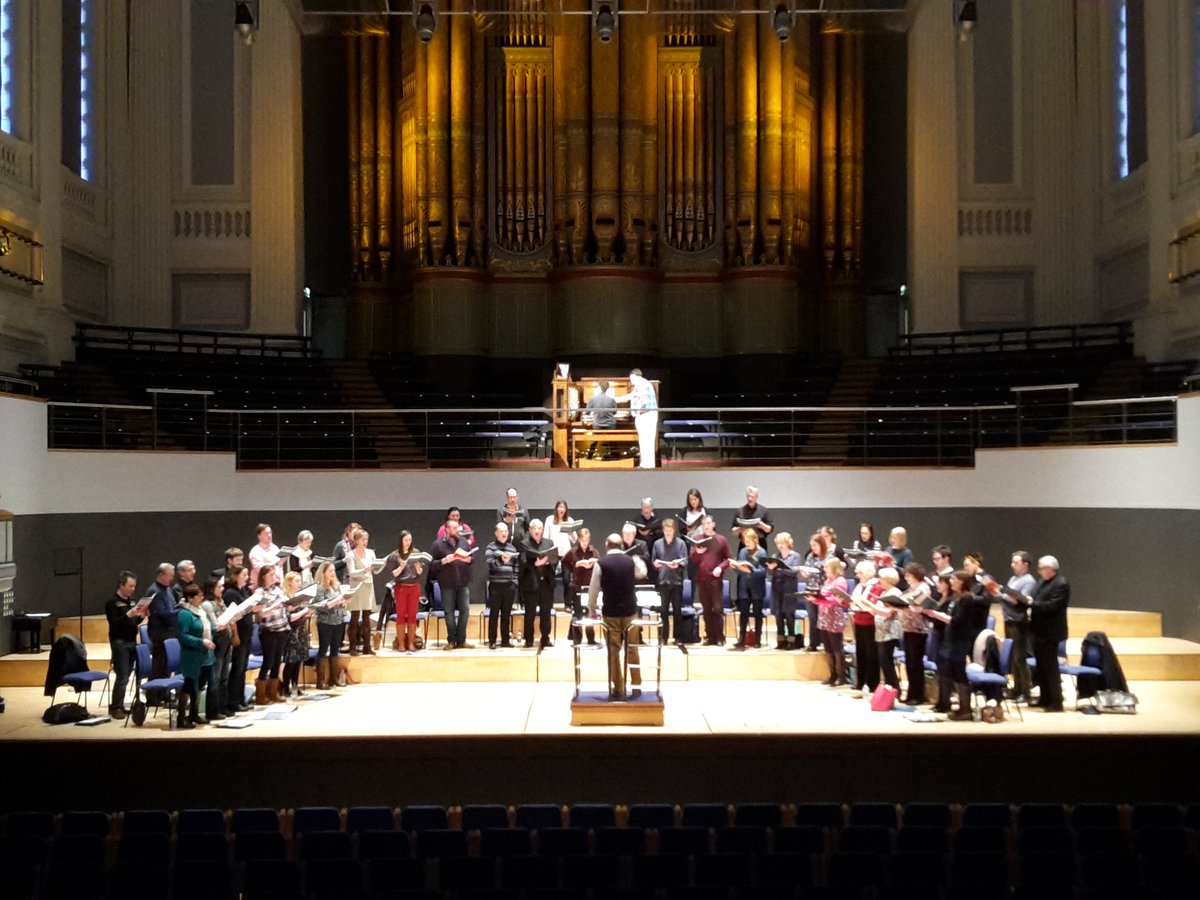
(710, 436)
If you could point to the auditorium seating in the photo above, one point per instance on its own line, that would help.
(1092, 851)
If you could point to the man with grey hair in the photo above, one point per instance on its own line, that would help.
(613, 576)
(1047, 627)
(185, 574)
(164, 611)
(649, 526)
(752, 515)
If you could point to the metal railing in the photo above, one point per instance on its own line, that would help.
(12, 384)
(1052, 337)
(708, 436)
(174, 340)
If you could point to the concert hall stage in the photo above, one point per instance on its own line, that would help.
(512, 742)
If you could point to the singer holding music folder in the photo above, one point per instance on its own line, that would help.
(710, 553)
(538, 556)
(450, 565)
(669, 559)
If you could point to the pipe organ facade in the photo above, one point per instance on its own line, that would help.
(646, 195)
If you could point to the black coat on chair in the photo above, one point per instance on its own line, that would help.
(67, 656)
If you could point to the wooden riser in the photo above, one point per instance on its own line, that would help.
(646, 710)
(1115, 622)
(1142, 658)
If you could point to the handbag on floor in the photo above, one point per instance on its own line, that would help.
(884, 698)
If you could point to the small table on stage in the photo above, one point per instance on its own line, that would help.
(31, 624)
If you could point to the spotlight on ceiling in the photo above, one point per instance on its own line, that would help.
(604, 17)
(425, 20)
(968, 15)
(245, 22)
(782, 22)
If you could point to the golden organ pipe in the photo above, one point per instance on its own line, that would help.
(366, 137)
(829, 143)
(859, 112)
(789, 138)
(383, 145)
(421, 102)
(356, 222)
(846, 148)
(540, 137)
(478, 150)
(438, 154)
(460, 140)
(770, 87)
(747, 45)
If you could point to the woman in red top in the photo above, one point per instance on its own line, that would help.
(866, 651)
(577, 578)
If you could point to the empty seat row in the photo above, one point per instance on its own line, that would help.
(416, 818)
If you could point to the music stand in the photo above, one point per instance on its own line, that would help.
(69, 561)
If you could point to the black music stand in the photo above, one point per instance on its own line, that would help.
(69, 561)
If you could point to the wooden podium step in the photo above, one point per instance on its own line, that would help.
(1114, 622)
(1143, 657)
(595, 708)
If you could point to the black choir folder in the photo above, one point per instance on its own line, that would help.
(701, 541)
(747, 523)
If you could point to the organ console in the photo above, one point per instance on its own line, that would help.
(574, 437)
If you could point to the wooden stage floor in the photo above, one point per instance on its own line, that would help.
(512, 742)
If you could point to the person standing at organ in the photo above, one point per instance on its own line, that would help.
(643, 402)
(711, 554)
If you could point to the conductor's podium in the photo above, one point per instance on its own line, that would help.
(641, 706)
(595, 708)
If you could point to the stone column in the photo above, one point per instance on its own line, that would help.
(276, 170)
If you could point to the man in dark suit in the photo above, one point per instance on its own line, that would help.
(1047, 627)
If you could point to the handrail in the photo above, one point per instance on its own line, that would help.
(1086, 334)
(550, 411)
(1168, 399)
(152, 339)
(101, 406)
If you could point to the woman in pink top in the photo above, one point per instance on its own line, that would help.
(464, 530)
(831, 620)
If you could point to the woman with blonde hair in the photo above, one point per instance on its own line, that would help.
(360, 572)
(831, 620)
(331, 624)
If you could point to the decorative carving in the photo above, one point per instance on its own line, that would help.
(993, 220)
(16, 162)
(213, 223)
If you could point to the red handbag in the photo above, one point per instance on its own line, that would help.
(884, 698)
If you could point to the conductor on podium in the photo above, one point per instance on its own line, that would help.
(614, 575)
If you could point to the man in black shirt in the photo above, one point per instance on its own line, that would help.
(632, 546)
(185, 575)
(123, 618)
(753, 513)
(537, 582)
(649, 526)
